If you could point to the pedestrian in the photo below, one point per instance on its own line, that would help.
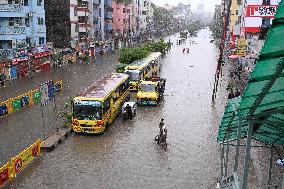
(161, 124)
(183, 50)
(187, 50)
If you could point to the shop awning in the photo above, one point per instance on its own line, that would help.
(263, 99)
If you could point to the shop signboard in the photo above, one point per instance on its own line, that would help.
(263, 11)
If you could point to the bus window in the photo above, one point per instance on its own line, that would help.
(106, 106)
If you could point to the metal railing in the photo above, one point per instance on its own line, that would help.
(6, 52)
(12, 30)
(10, 8)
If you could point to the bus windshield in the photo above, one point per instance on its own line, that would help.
(147, 88)
(87, 110)
(134, 75)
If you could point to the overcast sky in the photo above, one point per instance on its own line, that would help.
(208, 4)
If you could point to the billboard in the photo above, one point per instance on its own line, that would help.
(262, 11)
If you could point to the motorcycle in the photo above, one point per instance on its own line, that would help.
(125, 114)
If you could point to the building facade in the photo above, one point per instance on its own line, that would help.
(22, 25)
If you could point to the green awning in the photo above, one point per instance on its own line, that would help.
(263, 97)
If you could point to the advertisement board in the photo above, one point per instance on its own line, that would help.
(25, 157)
(263, 11)
(242, 47)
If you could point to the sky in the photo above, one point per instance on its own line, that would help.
(209, 5)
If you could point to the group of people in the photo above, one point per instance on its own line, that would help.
(185, 49)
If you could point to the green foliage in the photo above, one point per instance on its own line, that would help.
(120, 67)
(195, 27)
(129, 55)
(217, 25)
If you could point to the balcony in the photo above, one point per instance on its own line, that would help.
(8, 30)
(6, 53)
(10, 8)
(108, 3)
(12, 11)
(108, 26)
(108, 15)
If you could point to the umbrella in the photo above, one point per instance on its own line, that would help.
(233, 56)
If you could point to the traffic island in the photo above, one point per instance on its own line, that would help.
(55, 139)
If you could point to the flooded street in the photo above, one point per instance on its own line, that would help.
(126, 155)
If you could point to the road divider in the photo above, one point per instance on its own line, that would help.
(19, 162)
(24, 100)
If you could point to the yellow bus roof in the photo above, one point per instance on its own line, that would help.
(149, 83)
(140, 64)
(103, 87)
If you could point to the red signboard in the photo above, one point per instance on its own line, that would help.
(263, 11)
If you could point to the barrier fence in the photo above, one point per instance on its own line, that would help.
(19, 162)
(27, 99)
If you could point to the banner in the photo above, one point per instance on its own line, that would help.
(263, 11)
(43, 89)
(4, 173)
(25, 157)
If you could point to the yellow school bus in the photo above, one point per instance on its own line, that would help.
(143, 69)
(96, 107)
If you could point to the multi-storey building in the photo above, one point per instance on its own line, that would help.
(108, 19)
(78, 22)
(124, 22)
(22, 25)
(144, 12)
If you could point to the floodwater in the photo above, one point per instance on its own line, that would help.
(126, 156)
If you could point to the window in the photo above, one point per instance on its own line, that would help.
(11, 21)
(26, 2)
(27, 22)
(100, 12)
(39, 2)
(40, 21)
(41, 40)
(10, 2)
(106, 105)
(17, 2)
(28, 41)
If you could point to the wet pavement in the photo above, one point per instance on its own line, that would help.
(22, 128)
(126, 156)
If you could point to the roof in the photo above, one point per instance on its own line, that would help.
(149, 82)
(263, 99)
(144, 61)
(103, 87)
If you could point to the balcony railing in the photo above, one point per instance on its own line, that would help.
(10, 8)
(12, 30)
(6, 53)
